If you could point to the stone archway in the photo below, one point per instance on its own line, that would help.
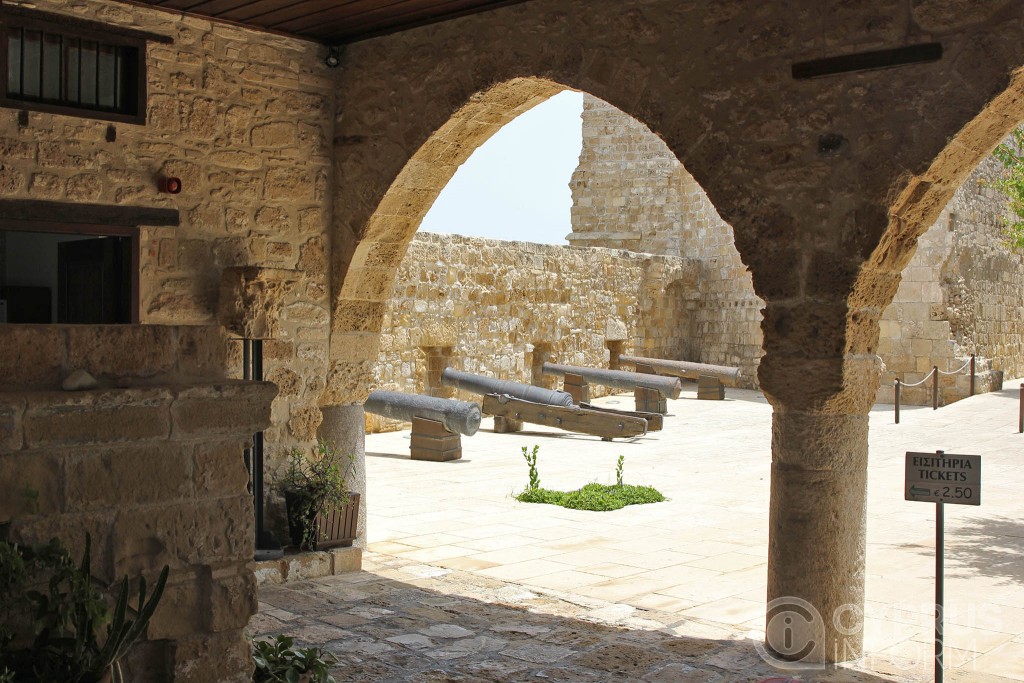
(363, 294)
(819, 443)
(364, 271)
(805, 170)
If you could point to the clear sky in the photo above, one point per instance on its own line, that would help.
(516, 185)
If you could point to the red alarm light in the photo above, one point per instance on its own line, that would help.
(170, 185)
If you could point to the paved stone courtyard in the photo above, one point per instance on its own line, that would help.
(401, 620)
(464, 583)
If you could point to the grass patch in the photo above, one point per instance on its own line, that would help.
(595, 497)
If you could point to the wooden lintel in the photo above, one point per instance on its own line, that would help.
(35, 210)
(94, 28)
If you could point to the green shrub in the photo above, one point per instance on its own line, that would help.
(278, 661)
(55, 622)
(1011, 184)
(595, 497)
(531, 461)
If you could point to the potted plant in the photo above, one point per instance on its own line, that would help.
(57, 625)
(321, 510)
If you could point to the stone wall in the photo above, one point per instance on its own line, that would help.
(245, 119)
(150, 465)
(960, 294)
(502, 309)
(629, 191)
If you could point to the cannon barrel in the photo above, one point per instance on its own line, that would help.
(669, 387)
(485, 385)
(682, 368)
(456, 416)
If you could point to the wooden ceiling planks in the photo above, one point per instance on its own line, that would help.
(333, 22)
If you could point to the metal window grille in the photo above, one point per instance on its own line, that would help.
(65, 70)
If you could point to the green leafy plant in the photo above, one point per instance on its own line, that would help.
(279, 660)
(55, 622)
(531, 461)
(1011, 184)
(595, 497)
(312, 484)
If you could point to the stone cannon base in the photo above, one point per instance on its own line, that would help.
(431, 441)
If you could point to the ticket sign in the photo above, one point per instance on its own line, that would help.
(943, 478)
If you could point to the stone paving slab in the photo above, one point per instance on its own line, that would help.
(704, 552)
(692, 569)
(399, 620)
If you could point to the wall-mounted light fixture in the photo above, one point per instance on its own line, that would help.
(333, 58)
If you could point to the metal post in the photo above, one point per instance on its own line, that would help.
(935, 387)
(257, 459)
(267, 546)
(896, 392)
(1020, 427)
(247, 375)
(939, 597)
(972, 374)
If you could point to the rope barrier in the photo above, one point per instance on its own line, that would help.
(957, 371)
(917, 384)
(933, 375)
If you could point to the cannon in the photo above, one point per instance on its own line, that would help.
(436, 422)
(476, 384)
(512, 404)
(510, 413)
(461, 417)
(669, 387)
(682, 368)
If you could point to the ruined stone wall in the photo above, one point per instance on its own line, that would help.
(630, 191)
(150, 464)
(502, 309)
(983, 279)
(245, 120)
(960, 294)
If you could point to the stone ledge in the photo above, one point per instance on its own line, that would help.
(308, 565)
(34, 419)
(41, 356)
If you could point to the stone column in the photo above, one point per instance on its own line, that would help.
(817, 536)
(821, 391)
(344, 425)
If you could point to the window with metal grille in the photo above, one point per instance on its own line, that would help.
(65, 65)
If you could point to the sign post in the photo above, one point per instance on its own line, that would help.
(942, 478)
